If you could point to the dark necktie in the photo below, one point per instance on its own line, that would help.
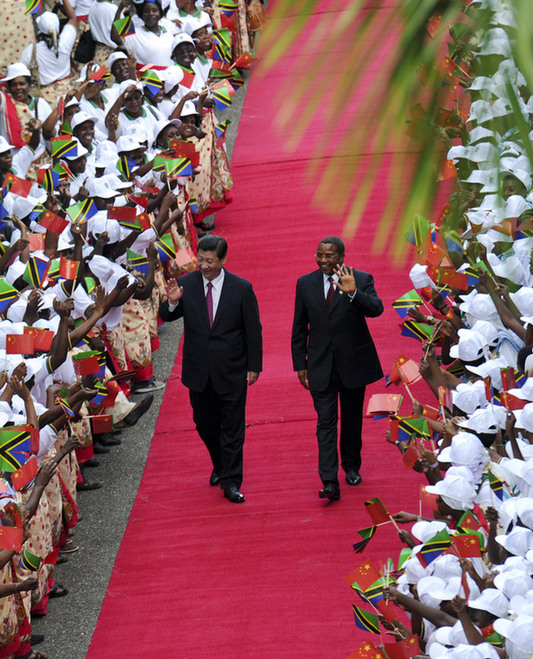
(331, 292)
(209, 301)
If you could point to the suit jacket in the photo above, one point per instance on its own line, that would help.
(228, 349)
(320, 334)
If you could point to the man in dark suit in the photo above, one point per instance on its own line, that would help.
(335, 357)
(222, 354)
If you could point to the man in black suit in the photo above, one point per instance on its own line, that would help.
(222, 354)
(335, 357)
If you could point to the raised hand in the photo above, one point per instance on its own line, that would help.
(346, 282)
(174, 291)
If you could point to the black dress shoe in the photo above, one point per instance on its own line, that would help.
(215, 478)
(233, 494)
(98, 448)
(107, 439)
(91, 462)
(330, 491)
(141, 408)
(353, 477)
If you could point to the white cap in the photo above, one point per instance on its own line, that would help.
(525, 392)
(524, 417)
(80, 118)
(465, 449)
(519, 635)
(4, 145)
(162, 124)
(127, 143)
(101, 187)
(114, 57)
(491, 600)
(16, 70)
(471, 346)
(456, 491)
(523, 298)
(469, 397)
(491, 368)
(126, 84)
(188, 109)
(47, 22)
(513, 582)
(193, 24)
(517, 542)
(171, 76)
(180, 38)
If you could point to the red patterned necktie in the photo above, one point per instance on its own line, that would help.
(209, 301)
(331, 292)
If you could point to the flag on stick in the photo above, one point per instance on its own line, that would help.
(366, 535)
(377, 511)
(368, 622)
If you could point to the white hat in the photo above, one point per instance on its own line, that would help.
(480, 306)
(525, 392)
(114, 57)
(424, 530)
(518, 631)
(456, 491)
(469, 397)
(193, 24)
(491, 600)
(100, 223)
(171, 76)
(523, 298)
(517, 542)
(4, 145)
(16, 70)
(80, 118)
(502, 107)
(162, 124)
(483, 421)
(180, 38)
(513, 582)
(496, 42)
(488, 330)
(126, 84)
(524, 417)
(47, 22)
(480, 111)
(127, 143)
(188, 109)
(524, 506)
(523, 475)
(465, 449)
(471, 346)
(83, 72)
(491, 368)
(101, 187)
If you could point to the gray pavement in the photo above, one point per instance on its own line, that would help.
(70, 622)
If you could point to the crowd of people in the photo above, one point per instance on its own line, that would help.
(112, 162)
(465, 575)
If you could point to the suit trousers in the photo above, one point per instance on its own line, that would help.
(220, 422)
(327, 408)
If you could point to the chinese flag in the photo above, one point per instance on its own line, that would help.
(410, 456)
(508, 378)
(98, 75)
(17, 185)
(140, 200)
(86, 366)
(54, 223)
(186, 150)
(36, 241)
(467, 545)
(405, 649)
(454, 279)
(144, 219)
(42, 338)
(512, 402)
(10, 538)
(377, 511)
(126, 213)
(244, 61)
(19, 344)
(429, 499)
(365, 575)
(447, 170)
(101, 423)
(367, 651)
(24, 475)
(68, 269)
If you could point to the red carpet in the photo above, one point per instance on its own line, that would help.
(199, 577)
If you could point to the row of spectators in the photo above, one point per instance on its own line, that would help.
(112, 160)
(465, 576)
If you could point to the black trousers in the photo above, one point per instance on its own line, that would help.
(327, 408)
(219, 420)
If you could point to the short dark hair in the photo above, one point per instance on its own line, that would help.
(334, 240)
(213, 243)
(140, 6)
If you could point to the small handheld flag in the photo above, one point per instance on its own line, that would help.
(29, 561)
(19, 344)
(366, 535)
(124, 26)
(36, 272)
(377, 511)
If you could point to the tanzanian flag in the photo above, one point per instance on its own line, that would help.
(496, 485)
(237, 79)
(417, 330)
(152, 81)
(126, 166)
(165, 247)
(15, 447)
(64, 171)
(193, 203)
(65, 406)
(124, 26)
(434, 547)
(82, 211)
(368, 622)
(29, 561)
(223, 38)
(221, 128)
(409, 426)
(407, 301)
(366, 535)
(138, 261)
(418, 230)
(48, 179)
(7, 295)
(64, 145)
(36, 272)
(34, 6)
(101, 393)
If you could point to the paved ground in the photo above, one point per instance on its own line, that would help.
(69, 625)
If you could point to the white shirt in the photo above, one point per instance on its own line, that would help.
(52, 68)
(217, 284)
